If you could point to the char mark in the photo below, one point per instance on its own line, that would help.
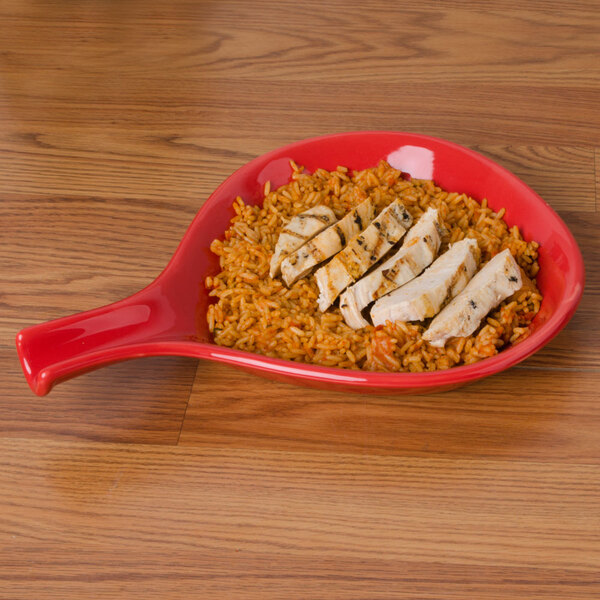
(292, 233)
(323, 218)
(388, 274)
(341, 235)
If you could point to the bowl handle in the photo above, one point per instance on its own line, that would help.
(61, 349)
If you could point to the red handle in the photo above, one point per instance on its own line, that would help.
(58, 350)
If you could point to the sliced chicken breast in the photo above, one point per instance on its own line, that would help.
(418, 251)
(298, 231)
(496, 281)
(327, 243)
(423, 297)
(362, 252)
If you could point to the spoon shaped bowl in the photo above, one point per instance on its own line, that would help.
(169, 316)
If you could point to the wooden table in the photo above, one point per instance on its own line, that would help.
(168, 478)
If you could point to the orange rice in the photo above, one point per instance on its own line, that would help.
(258, 314)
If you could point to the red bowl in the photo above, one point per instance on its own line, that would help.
(168, 316)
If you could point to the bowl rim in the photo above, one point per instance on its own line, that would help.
(575, 282)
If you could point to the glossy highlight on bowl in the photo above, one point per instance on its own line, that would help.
(169, 316)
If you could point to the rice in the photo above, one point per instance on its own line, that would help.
(258, 314)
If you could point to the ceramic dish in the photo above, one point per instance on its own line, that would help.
(169, 316)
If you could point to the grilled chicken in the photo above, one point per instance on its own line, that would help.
(496, 281)
(423, 297)
(420, 247)
(327, 243)
(362, 252)
(298, 231)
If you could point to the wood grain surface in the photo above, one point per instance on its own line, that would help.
(169, 478)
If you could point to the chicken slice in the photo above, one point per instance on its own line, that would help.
(418, 251)
(496, 281)
(327, 243)
(298, 231)
(423, 297)
(362, 252)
